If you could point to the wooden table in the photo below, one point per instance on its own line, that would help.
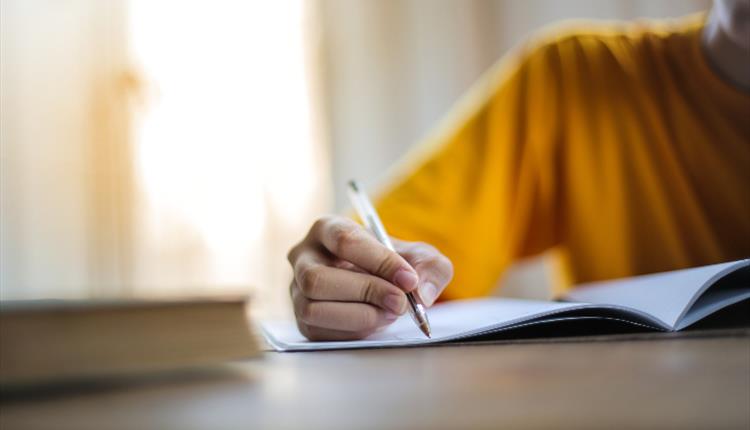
(694, 380)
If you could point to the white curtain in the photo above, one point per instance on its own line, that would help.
(65, 168)
(157, 148)
(230, 166)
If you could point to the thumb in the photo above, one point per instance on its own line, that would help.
(432, 281)
(434, 269)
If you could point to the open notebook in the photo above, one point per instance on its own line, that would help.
(669, 301)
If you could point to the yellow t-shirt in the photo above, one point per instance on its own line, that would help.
(617, 146)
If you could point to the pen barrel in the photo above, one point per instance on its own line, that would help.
(376, 227)
(369, 216)
(418, 312)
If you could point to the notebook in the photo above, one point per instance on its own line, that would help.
(669, 301)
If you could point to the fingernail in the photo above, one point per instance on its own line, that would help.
(395, 303)
(406, 279)
(428, 292)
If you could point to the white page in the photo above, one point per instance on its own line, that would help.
(664, 295)
(449, 321)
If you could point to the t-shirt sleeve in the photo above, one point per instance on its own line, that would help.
(485, 189)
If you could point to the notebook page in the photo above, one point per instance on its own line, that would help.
(663, 295)
(449, 321)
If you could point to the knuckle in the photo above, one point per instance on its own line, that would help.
(388, 263)
(369, 292)
(343, 237)
(436, 260)
(320, 224)
(291, 256)
(309, 279)
(306, 312)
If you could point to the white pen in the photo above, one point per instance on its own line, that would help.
(370, 217)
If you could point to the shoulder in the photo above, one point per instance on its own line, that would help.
(594, 60)
(598, 49)
(593, 39)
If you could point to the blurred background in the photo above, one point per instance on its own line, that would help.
(160, 148)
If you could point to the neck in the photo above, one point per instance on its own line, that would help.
(729, 58)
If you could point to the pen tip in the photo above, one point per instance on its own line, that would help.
(426, 330)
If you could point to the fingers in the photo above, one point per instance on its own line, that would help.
(340, 316)
(434, 269)
(317, 281)
(349, 241)
(317, 334)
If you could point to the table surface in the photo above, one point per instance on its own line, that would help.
(694, 380)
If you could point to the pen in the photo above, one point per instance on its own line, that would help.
(367, 212)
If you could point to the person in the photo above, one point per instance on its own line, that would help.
(623, 148)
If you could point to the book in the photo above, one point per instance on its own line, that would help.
(669, 301)
(55, 340)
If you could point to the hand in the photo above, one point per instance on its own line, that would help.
(347, 285)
